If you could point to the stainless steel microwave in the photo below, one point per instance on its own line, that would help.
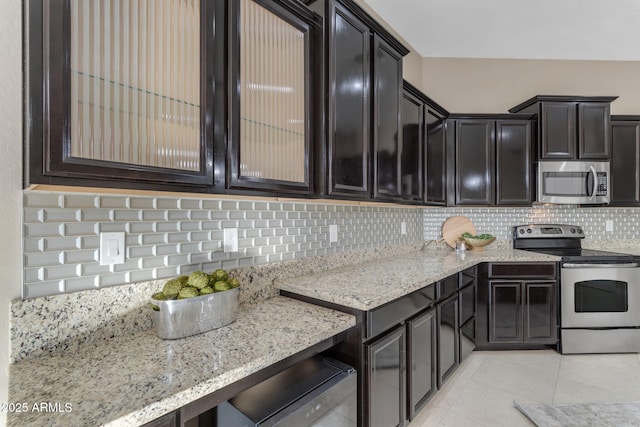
(573, 182)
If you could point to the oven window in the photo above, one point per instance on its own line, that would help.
(601, 296)
(574, 184)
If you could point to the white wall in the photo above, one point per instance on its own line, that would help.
(495, 85)
(10, 174)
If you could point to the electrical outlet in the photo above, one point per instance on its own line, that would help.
(608, 225)
(230, 243)
(333, 233)
(112, 248)
(403, 228)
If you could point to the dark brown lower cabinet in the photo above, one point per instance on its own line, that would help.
(386, 379)
(168, 420)
(517, 305)
(448, 350)
(421, 361)
(467, 309)
(522, 311)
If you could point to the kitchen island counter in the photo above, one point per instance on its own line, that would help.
(133, 379)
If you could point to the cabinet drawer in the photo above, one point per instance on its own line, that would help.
(384, 317)
(529, 269)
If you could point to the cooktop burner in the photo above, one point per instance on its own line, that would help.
(586, 255)
(563, 241)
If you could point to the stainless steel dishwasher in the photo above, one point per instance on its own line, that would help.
(318, 392)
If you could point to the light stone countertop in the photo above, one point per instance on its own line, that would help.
(368, 285)
(133, 379)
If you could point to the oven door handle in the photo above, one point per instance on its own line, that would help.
(584, 265)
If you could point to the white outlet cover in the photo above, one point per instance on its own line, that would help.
(112, 248)
(230, 243)
(333, 233)
(403, 228)
(609, 225)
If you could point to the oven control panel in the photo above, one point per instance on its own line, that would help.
(538, 231)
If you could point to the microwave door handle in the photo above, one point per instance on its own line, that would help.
(594, 188)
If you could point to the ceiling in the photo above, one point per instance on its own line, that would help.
(524, 29)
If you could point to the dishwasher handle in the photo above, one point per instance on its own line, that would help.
(587, 265)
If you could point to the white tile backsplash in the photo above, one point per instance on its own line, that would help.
(168, 236)
(499, 221)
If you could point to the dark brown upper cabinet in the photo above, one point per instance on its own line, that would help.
(275, 98)
(223, 97)
(474, 149)
(625, 161)
(436, 155)
(491, 160)
(124, 103)
(363, 71)
(387, 130)
(514, 171)
(423, 165)
(571, 127)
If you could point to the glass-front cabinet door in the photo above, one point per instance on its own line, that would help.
(123, 89)
(271, 99)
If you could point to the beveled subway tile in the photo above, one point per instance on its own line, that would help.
(190, 204)
(44, 288)
(152, 262)
(62, 215)
(88, 228)
(166, 226)
(62, 272)
(89, 242)
(157, 215)
(211, 204)
(43, 230)
(178, 215)
(127, 215)
(141, 251)
(60, 243)
(81, 201)
(228, 205)
(141, 276)
(31, 215)
(95, 215)
(136, 202)
(142, 227)
(200, 215)
(33, 275)
(34, 244)
(113, 279)
(77, 257)
(37, 199)
(189, 247)
(189, 225)
(114, 202)
(81, 284)
(43, 259)
(177, 237)
(167, 203)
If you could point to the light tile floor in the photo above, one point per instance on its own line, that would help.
(481, 392)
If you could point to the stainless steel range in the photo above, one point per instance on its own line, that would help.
(599, 290)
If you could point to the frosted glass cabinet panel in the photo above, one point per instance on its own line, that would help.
(271, 131)
(123, 90)
(135, 82)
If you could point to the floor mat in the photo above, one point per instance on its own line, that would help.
(582, 414)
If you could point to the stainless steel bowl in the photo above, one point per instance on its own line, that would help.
(185, 317)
